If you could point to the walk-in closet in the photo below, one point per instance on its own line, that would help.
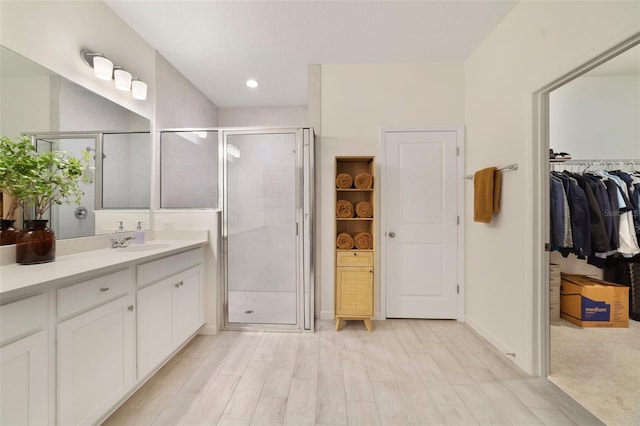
(594, 225)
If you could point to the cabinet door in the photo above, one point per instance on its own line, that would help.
(24, 385)
(155, 326)
(187, 305)
(354, 291)
(96, 364)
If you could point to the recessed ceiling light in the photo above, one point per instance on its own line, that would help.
(252, 83)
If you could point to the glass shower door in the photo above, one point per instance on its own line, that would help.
(71, 220)
(262, 218)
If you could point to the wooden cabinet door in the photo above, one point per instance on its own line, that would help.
(187, 305)
(96, 364)
(354, 291)
(24, 384)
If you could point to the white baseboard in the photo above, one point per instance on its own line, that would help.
(326, 315)
(508, 352)
(208, 329)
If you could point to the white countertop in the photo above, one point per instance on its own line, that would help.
(72, 267)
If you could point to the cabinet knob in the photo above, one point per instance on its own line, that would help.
(371, 271)
(392, 234)
(103, 289)
(130, 308)
(355, 254)
(176, 285)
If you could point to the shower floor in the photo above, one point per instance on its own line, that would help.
(262, 307)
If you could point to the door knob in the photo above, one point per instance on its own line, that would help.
(392, 234)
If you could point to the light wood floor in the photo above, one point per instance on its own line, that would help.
(407, 372)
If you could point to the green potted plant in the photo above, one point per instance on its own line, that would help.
(12, 159)
(38, 180)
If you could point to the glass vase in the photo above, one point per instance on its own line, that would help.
(35, 243)
(8, 232)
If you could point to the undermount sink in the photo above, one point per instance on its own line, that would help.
(143, 247)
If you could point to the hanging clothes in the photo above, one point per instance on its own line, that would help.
(578, 216)
(601, 209)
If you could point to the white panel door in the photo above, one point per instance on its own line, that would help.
(420, 226)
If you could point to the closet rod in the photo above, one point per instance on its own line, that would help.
(514, 166)
(588, 164)
(601, 161)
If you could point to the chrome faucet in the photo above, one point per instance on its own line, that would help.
(117, 242)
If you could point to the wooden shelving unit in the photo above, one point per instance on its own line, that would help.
(354, 285)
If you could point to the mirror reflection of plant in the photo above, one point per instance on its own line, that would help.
(39, 180)
(15, 160)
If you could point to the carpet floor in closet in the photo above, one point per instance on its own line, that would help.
(599, 368)
(406, 372)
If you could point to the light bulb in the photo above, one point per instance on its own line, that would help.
(123, 79)
(252, 83)
(102, 68)
(139, 90)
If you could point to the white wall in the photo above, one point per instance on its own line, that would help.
(52, 34)
(18, 95)
(535, 44)
(590, 114)
(179, 103)
(270, 116)
(356, 102)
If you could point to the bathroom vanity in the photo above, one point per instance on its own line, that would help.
(81, 334)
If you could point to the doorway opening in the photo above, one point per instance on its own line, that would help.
(558, 339)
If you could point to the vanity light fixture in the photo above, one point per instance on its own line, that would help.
(252, 83)
(104, 69)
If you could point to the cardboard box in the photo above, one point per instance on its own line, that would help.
(589, 302)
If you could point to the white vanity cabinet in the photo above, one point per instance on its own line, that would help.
(24, 362)
(95, 346)
(170, 307)
(80, 335)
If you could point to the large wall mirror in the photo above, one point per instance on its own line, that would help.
(58, 114)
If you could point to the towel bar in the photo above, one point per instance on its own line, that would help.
(514, 166)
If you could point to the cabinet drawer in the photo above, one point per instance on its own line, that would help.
(354, 258)
(165, 267)
(84, 295)
(20, 317)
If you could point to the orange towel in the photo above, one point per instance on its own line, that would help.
(483, 194)
(497, 186)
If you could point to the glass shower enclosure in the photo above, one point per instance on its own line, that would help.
(268, 228)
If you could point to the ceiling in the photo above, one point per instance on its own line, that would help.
(218, 45)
